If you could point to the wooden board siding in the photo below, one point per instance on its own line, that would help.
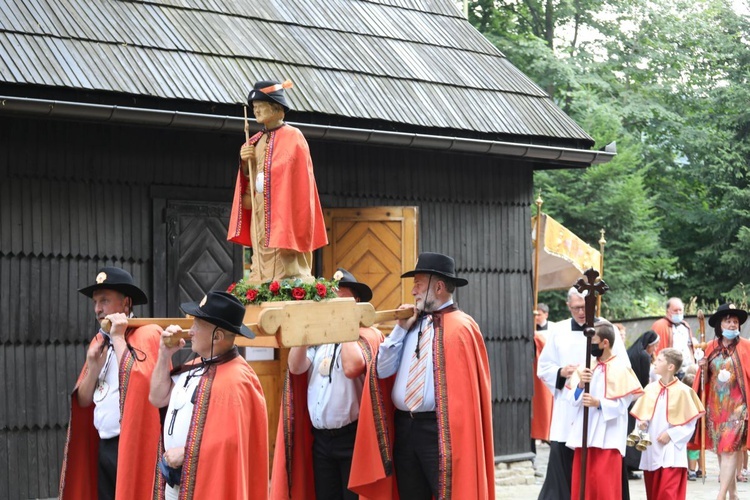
(77, 196)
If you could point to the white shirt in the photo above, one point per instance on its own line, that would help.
(566, 347)
(107, 398)
(608, 426)
(177, 423)
(391, 360)
(672, 454)
(332, 402)
(680, 341)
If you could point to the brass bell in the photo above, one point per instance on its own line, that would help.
(633, 438)
(644, 442)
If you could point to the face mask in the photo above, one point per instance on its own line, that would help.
(730, 334)
(677, 318)
(596, 350)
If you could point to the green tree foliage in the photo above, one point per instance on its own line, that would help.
(669, 82)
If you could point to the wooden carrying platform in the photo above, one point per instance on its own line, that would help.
(297, 323)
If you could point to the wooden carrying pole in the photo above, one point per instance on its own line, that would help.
(702, 330)
(594, 288)
(262, 338)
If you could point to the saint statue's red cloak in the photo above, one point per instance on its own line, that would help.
(226, 453)
(139, 427)
(743, 351)
(541, 402)
(293, 218)
(464, 412)
(294, 440)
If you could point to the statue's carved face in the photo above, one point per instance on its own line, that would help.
(267, 113)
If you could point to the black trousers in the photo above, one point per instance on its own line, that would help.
(107, 480)
(332, 462)
(559, 472)
(416, 456)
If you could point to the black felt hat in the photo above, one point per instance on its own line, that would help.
(347, 280)
(439, 264)
(270, 91)
(727, 310)
(221, 309)
(114, 278)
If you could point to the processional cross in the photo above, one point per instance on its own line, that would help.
(591, 290)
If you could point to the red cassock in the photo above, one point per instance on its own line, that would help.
(139, 427)
(292, 474)
(603, 474)
(294, 218)
(666, 483)
(464, 413)
(541, 403)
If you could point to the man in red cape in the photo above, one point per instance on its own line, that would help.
(673, 331)
(438, 440)
(110, 447)
(330, 389)
(276, 209)
(215, 440)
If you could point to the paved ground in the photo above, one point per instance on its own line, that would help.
(697, 490)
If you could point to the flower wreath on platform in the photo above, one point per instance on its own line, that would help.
(285, 289)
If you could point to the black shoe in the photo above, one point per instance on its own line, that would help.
(633, 475)
(699, 473)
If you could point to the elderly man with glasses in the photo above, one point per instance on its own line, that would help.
(563, 354)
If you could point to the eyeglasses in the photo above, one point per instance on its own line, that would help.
(577, 308)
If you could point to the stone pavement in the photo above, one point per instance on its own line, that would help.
(696, 490)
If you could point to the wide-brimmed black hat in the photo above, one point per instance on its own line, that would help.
(221, 309)
(347, 280)
(269, 91)
(114, 278)
(727, 310)
(439, 264)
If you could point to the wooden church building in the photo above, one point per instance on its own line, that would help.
(120, 125)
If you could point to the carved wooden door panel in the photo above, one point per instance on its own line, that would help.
(199, 257)
(376, 245)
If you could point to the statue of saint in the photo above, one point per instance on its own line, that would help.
(276, 209)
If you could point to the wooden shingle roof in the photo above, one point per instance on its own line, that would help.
(413, 62)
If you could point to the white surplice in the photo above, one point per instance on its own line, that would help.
(608, 425)
(674, 453)
(566, 347)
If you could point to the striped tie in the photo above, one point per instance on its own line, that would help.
(418, 367)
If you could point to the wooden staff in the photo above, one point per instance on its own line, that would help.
(537, 249)
(702, 330)
(602, 242)
(594, 288)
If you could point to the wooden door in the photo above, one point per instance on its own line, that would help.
(376, 245)
(199, 257)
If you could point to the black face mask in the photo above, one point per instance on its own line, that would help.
(596, 351)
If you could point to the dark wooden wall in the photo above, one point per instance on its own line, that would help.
(78, 196)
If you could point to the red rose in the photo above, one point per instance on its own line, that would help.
(251, 295)
(274, 287)
(322, 290)
(231, 287)
(298, 293)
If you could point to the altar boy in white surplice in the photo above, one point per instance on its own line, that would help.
(612, 387)
(669, 410)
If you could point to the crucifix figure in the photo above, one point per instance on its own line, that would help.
(591, 290)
